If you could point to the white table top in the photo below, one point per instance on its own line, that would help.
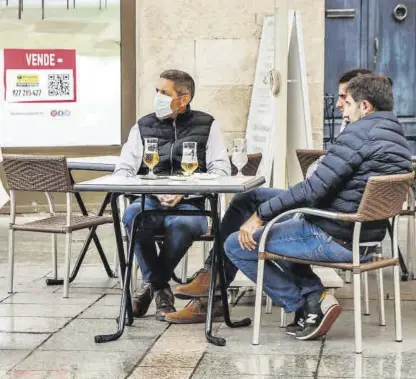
(101, 163)
(137, 185)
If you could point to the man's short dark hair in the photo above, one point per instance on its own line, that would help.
(183, 82)
(351, 74)
(375, 88)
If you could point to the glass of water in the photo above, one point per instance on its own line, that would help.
(239, 155)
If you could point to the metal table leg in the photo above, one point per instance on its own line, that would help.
(218, 263)
(127, 270)
(125, 306)
(92, 235)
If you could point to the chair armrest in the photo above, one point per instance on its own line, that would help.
(309, 211)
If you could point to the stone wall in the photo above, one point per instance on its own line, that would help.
(217, 42)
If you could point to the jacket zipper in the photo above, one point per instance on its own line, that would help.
(171, 148)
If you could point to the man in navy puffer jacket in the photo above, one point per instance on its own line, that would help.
(372, 144)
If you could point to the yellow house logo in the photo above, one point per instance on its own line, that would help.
(27, 80)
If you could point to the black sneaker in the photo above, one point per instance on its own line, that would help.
(142, 301)
(164, 303)
(298, 323)
(321, 311)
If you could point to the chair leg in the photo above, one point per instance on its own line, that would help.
(11, 259)
(347, 276)
(366, 297)
(283, 321)
(68, 242)
(207, 248)
(269, 304)
(381, 308)
(397, 305)
(257, 306)
(54, 241)
(184, 270)
(122, 203)
(133, 276)
(357, 314)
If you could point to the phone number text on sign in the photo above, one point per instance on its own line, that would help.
(39, 76)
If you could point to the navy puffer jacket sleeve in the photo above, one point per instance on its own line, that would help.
(374, 145)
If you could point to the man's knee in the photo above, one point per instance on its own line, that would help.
(192, 226)
(131, 211)
(241, 199)
(231, 245)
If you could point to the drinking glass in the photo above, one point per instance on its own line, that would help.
(151, 155)
(239, 155)
(189, 158)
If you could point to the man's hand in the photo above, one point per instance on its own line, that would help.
(245, 237)
(171, 200)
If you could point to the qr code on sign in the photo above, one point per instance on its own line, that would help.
(58, 85)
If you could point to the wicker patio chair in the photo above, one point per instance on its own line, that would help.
(47, 174)
(383, 199)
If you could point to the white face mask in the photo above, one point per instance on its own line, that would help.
(162, 106)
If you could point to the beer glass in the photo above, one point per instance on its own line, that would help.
(150, 155)
(189, 157)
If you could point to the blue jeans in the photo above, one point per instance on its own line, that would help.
(296, 238)
(241, 208)
(179, 231)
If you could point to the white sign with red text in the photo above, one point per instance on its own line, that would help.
(40, 75)
(56, 97)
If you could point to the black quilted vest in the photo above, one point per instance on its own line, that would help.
(191, 126)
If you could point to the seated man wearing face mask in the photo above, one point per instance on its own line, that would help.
(173, 123)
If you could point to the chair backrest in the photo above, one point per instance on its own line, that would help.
(250, 169)
(307, 157)
(383, 197)
(36, 173)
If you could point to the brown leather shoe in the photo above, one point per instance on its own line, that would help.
(164, 303)
(142, 301)
(199, 287)
(195, 312)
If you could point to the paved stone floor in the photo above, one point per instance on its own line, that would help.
(43, 335)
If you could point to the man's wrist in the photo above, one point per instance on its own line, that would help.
(259, 216)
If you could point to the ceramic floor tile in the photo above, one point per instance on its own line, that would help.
(119, 363)
(228, 365)
(34, 310)
(21, 341)
(31, 324)
(52, 298)
(161, 373)
(9, 358)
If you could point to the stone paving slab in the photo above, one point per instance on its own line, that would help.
(33, 310)
(21, 341)
(233, 366)
(51, 298)
(10, 358)
(31, 324)
(153, 349)
(106, 363)
(161, 372)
